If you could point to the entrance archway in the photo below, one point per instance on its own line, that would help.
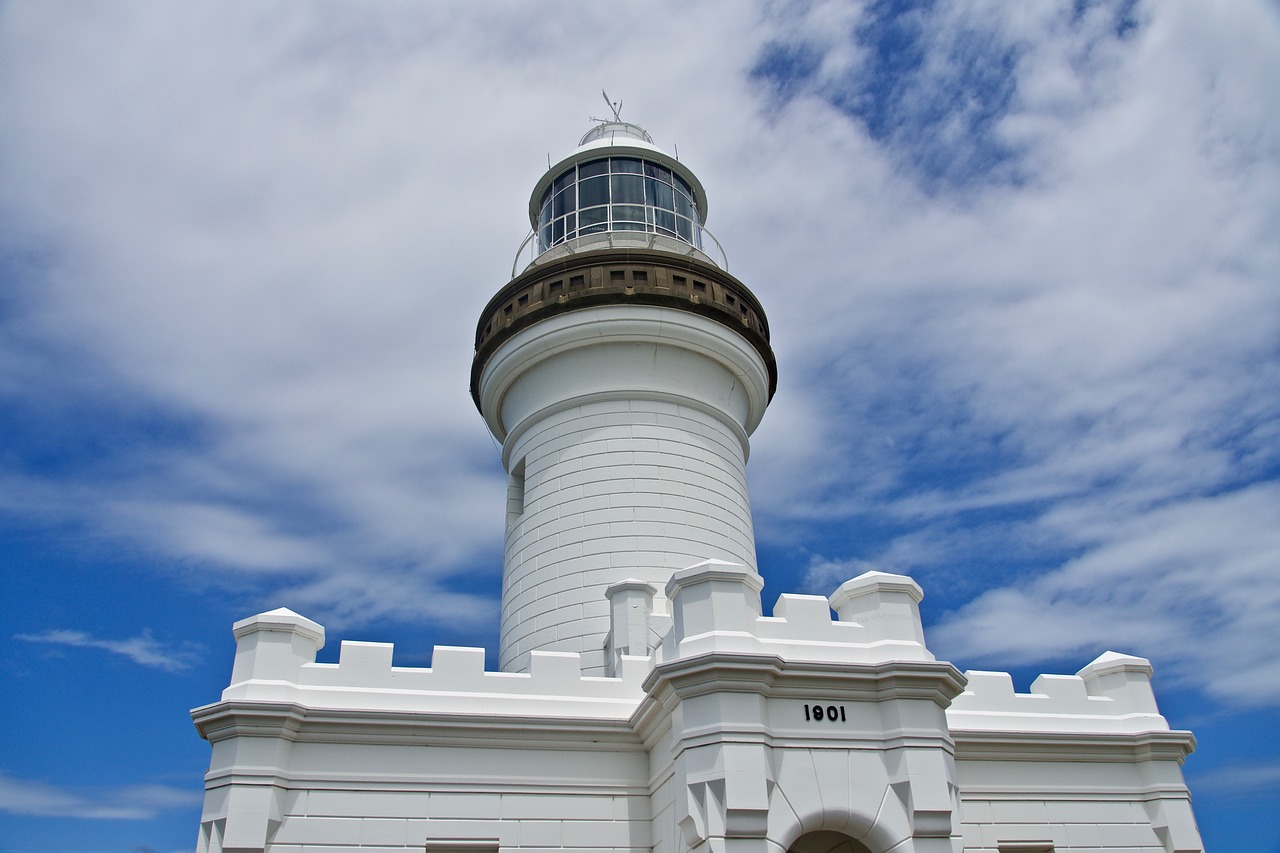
(826, 841)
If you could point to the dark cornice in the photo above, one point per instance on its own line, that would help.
(634, 276)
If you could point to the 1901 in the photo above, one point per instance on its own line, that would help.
(830, 713)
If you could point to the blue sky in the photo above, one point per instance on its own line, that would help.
(1019, 259)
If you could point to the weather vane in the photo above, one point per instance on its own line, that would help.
(615, 107)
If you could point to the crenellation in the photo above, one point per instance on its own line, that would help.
(1113, 693)
(1124, 678)
(358, 662)
(456, 681)
(459, 664)
(1064, 691)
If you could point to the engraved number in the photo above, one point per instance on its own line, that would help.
(831, 713)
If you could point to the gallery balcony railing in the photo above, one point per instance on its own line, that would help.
(528, 255)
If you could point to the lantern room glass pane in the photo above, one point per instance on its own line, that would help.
(684, 205)
(593, 191)
(628, 189)
(563, 203)
(595, 167)
(626, 164)
(593, 220)
(659, 194)
(653, 170)
(628, 213)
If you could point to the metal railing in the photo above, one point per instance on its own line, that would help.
(625, 239)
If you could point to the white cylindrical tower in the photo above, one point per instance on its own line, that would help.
(623, 372)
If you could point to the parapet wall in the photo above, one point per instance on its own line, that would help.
(1111, 695)
(714, 607)
(275, 662)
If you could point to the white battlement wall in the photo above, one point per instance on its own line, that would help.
(735, 728)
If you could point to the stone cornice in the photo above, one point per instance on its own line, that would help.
(1015, 745)
(294, 722)
(772, 675)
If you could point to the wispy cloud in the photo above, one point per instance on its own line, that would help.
(824, 575)
(142, 649)
(1239, 778)
(134, 802)
(1191, 584)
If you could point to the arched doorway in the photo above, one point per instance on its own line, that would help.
(826, 841)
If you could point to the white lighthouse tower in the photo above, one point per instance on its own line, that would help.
(623, 372)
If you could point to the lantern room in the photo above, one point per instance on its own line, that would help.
(617, 180)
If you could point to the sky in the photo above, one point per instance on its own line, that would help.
(1020, 262)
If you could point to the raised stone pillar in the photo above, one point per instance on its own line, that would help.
(887, 605)
(243, 804)
(272, 646)
(630, 606)
(714, 606)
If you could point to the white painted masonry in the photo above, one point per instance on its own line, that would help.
(643, 702)
(626, 429)
(709, 744)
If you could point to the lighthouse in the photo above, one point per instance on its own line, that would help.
(645, 702)
(623, 371)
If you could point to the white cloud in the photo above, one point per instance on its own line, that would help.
(134, 802)
(823, 576)
(1240, 778)
(1193, 584)
(142, 649)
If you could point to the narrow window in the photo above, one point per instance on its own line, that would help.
(515, 495)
